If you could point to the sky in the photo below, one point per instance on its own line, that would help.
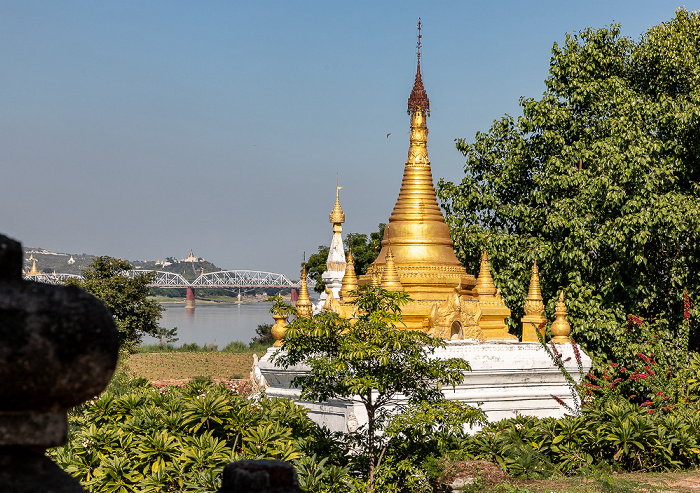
(146, 129)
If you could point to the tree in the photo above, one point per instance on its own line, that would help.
(316, 266)
(597, 182)
(126, 297)
(263, 335)
(364, 251)
(369, 358)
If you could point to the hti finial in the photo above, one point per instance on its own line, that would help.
(418, 44)
(418, 100)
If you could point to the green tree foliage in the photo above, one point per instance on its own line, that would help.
(126, 298)
(597, 181)
(365, 250)
(370, 359)
(316, 266)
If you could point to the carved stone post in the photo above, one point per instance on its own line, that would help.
(260, 476)
(58, 348)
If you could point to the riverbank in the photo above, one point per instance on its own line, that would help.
(167, 300)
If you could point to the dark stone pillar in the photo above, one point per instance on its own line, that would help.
(58, 348)
(260, 476)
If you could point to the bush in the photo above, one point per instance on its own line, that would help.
(264, 336)
(236, 347)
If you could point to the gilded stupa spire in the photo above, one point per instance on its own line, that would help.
(33, 271)
(534, 304)
(337, 216)
(349, 279)
(484, 283)
(421, 245)
(335, 261)
(493, 310)
(304, 308)
(534, 309)
(419, 235)
(418, 100)
(390, 278)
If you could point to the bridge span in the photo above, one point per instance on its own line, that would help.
(220, 279)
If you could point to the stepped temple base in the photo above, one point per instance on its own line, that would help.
(507, 378)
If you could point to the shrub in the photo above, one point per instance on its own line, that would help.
(236, 347)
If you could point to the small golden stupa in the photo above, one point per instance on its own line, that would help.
(349, 280)
(33, 271)
(534, 309)
(304, 307)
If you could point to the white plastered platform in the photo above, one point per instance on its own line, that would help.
(507, 379)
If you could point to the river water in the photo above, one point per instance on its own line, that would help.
(214, 323)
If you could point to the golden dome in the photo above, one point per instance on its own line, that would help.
(337, 216)
(561, 327)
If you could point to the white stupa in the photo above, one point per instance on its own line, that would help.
(335, 263)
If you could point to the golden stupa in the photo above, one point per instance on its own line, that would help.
(417, 254)
(33, 271)
(417, 236)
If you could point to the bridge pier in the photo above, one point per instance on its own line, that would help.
(190, 299)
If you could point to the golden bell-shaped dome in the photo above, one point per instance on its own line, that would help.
(337, 216)
(561, 327)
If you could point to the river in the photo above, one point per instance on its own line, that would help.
(214, 323)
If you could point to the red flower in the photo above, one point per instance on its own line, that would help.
(644, 357)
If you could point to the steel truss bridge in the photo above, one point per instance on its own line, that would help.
(221, 279)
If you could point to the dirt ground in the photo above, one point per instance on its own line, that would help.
(473, 476)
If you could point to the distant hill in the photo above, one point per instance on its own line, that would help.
(74, 263)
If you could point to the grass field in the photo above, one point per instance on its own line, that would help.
(183, 366)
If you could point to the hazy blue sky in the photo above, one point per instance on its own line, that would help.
(143, 129)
